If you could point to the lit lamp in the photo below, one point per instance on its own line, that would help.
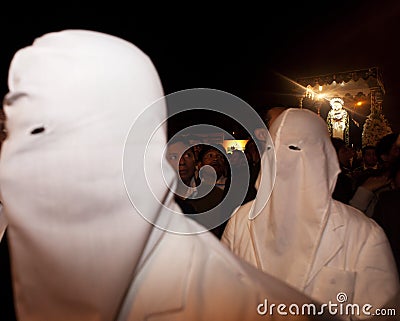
(318, 98)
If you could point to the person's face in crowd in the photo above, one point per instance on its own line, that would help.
(272, 114)
(182, 159)
(261, 134)
(370, 159)
(345, 154)
(251, 152)
(237, 158)
(196, 150)
(215, 159)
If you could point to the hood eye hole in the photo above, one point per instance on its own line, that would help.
(37, 130)
(293, 147)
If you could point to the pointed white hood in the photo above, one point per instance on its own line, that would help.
(63, 196)
(288, 228)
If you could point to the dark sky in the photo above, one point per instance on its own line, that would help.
(245, 53)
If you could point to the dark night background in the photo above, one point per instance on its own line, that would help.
(246, 53)
(240, 49)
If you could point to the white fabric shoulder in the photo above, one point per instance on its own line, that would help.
(238, 219)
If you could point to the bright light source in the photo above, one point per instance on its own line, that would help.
(231, 144)
(359, 103)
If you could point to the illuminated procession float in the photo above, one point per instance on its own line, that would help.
(350, 102)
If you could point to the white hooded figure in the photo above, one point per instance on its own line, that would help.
(302, 236)
(82, 247)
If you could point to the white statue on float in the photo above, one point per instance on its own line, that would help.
(338, 120)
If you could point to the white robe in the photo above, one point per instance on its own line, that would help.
(301, 235)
